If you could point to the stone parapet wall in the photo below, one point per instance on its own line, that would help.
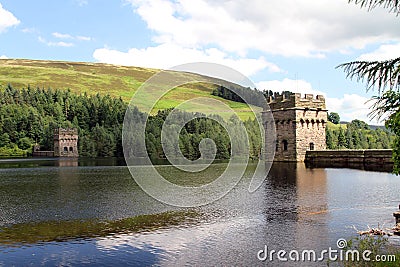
(47, 154)
(68, 131)
(282, 101)
(310, 130)
(365, 156)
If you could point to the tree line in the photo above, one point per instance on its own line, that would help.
(356, 135)
(246, 95)
(242, 94)
(29, 116)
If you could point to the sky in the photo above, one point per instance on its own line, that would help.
(292, 45)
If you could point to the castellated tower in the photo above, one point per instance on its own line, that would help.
(66, 142)
(300, 125)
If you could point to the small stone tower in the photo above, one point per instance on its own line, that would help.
(300, 125)
(66, 142)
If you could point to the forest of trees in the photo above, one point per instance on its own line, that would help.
(358, 135)
(29, 116)
(250, 96)
(242, 95)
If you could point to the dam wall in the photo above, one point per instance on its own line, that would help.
(368, 159)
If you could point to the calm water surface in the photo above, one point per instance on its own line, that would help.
(92, 213)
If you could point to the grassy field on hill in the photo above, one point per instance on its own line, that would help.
(335, 127)
(117, 81)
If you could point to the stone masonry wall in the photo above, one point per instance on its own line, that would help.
(285, 126)
(310, 131)
(369, 156)
(300, 125)
(66, 143)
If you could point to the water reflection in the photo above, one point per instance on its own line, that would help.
(61, 231)
(90, 214)
(371, 166)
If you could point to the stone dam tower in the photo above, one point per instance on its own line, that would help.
(66, 142)
(300, 125)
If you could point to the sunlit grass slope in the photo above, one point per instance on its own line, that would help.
(117, 81)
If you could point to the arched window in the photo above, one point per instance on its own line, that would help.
(65, 149)
(277, 145)
(311, 146)
(285, 145)
(71, 149)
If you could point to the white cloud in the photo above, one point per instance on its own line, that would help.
(62, 35)
(83, 38)
(81, 2)
(3, 57)
(352, 106)
(62, 44)
(166, 56)
(59, 44)
(69, 36)
(29, 30)
(349, 107)
(384, 52)
(7, 19)
(283, 27)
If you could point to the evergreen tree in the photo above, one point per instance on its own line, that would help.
(341, 139)
(329, 139)
(385, 77)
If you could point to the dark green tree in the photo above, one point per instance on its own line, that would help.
(25, 143)
(349, 138)
(341, 139)
(334, 117)
(329, 139)
(358, 124)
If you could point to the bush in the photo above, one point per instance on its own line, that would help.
(12, 151)
(25, 143)
(378, 245)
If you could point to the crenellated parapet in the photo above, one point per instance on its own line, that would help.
(67, 131)
(290, 101)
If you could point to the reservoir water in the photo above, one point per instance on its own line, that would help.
(92, 213)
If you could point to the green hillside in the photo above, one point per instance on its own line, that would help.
(117, 81)
(335, 127)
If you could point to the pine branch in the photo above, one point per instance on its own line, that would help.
(388, 103)
(380, 74)
(392, 5)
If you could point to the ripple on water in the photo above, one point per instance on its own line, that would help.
(294, 208)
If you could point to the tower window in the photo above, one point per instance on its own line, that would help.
(71, 149)
(311, 146)
(277, 145)
(285, 145)
(65, 149)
